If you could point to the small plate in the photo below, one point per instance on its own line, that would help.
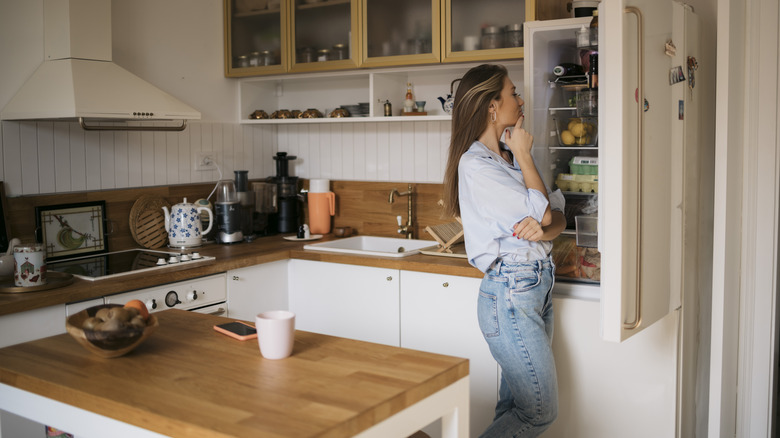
(303, 239)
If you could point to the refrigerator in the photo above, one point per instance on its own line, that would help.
(629, 175)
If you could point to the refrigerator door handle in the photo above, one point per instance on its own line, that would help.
(640, 136)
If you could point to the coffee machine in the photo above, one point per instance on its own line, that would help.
(288, 216)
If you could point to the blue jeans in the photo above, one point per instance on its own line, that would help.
(516, 318)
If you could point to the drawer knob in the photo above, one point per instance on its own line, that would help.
(235, 278)
(445, 284)
(389, 278)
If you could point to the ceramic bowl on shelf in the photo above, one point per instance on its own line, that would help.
(111, 343)
(338, 113)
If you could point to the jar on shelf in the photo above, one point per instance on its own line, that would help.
(265, 58)
(241, 61)
(307, 54)
(323, 55)
(254, 59)
(340, 51)
(513, 35)
(492, 38)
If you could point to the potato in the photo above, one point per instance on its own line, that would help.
(138, 321)
(102, 314)
(111, 325)
(90, 323)
(119, 313)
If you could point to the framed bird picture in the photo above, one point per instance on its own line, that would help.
(72, 230)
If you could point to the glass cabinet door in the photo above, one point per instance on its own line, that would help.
(485, 30)
(255, 37)
(401, 32)
(324, 35)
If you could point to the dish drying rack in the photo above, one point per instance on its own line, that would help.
(447, 235)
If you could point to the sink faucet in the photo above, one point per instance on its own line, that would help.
(404, 229)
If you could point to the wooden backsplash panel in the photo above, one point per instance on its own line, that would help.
(361, 205)
(364, 206)
(21, 209)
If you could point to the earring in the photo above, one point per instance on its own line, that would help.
(493, 117)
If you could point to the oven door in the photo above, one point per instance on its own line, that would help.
(218, 309)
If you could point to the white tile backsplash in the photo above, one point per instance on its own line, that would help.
(59, 157)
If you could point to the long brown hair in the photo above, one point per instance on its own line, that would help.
(477, 88)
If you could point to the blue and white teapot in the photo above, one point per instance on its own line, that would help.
(183, 224)
(447, 103)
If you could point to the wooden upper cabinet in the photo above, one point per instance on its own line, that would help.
(400, 32)
(255, 37)
(485, 30)
(324, 35)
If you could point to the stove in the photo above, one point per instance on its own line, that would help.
(132, 261)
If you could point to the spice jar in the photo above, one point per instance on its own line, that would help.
(242, 61)
(513, 35)
(491, 37)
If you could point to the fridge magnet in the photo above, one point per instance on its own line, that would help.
(676, 75)
(693, 65)
(670, 49)
(69, 230)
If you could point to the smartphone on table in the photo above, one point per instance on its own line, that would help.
(237, 329)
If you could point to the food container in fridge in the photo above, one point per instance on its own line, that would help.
(569, 182)
(587, 231)
(584, 165)
(576, 131)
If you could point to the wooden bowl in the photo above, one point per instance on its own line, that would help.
(108, 344)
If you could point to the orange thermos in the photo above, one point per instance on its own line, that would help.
(322, 206)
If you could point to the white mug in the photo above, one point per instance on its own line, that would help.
(29, 265)
(275, 333)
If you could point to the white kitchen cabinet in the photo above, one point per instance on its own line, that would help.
(32, 324)
(355, 302)
(608, 389)
(439, 315)
(257, 289)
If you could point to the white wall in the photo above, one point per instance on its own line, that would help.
(177, 45)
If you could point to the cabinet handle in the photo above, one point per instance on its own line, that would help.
(235, 278)
(445, 284)
(389, 278)
(640, 135)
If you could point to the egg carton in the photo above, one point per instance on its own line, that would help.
(569, 182)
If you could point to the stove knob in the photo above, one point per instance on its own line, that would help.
(172, 299)
(192, 296)
(161, 262)
(151, 304)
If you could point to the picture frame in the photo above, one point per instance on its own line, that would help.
(5, 232)
(71, 230)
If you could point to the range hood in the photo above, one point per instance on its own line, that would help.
(78, 80)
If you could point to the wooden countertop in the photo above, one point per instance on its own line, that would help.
(262, 250)
(188, 380)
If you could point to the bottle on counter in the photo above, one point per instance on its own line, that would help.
(409, 100)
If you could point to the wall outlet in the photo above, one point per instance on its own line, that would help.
(206, 161)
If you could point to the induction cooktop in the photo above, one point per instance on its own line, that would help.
(132, 261)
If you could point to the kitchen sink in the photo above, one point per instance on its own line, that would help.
(375, 246)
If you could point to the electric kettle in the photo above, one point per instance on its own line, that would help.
(183, 224)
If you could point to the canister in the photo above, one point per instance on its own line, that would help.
(513, 35)
(491, 37)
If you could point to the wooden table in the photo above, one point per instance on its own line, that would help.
(187, 380)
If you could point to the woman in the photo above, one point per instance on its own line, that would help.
(509, 221)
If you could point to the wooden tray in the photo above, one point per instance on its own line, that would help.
(54, 280)
(147, 221)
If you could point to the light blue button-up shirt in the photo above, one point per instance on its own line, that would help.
(493, 198)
